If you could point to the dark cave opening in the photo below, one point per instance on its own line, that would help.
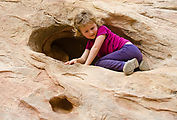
(72, 46)
(57, 42)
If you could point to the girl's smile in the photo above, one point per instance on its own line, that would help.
(89, 30)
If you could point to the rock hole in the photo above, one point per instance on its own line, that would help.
(57, 42)
(61, 104)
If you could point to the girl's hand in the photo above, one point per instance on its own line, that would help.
(73, 61)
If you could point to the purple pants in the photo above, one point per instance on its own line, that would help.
(116, 60)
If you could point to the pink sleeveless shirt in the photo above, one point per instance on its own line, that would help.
(111, 43)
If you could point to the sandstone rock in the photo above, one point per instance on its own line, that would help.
(36, 37)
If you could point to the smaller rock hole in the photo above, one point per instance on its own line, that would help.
(61, 104)
(173, 92)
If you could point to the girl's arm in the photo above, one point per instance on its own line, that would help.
(84, 56)
(95, 48)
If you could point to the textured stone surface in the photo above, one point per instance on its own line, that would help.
(35, 86)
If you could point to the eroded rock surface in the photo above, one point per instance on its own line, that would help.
(36, 37)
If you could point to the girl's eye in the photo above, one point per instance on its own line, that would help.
(86, 31)
(92, 28)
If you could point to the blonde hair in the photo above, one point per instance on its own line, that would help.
(82, 19)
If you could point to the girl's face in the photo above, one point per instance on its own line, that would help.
(89, 30)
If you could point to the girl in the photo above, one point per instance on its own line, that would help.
(115, 53)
